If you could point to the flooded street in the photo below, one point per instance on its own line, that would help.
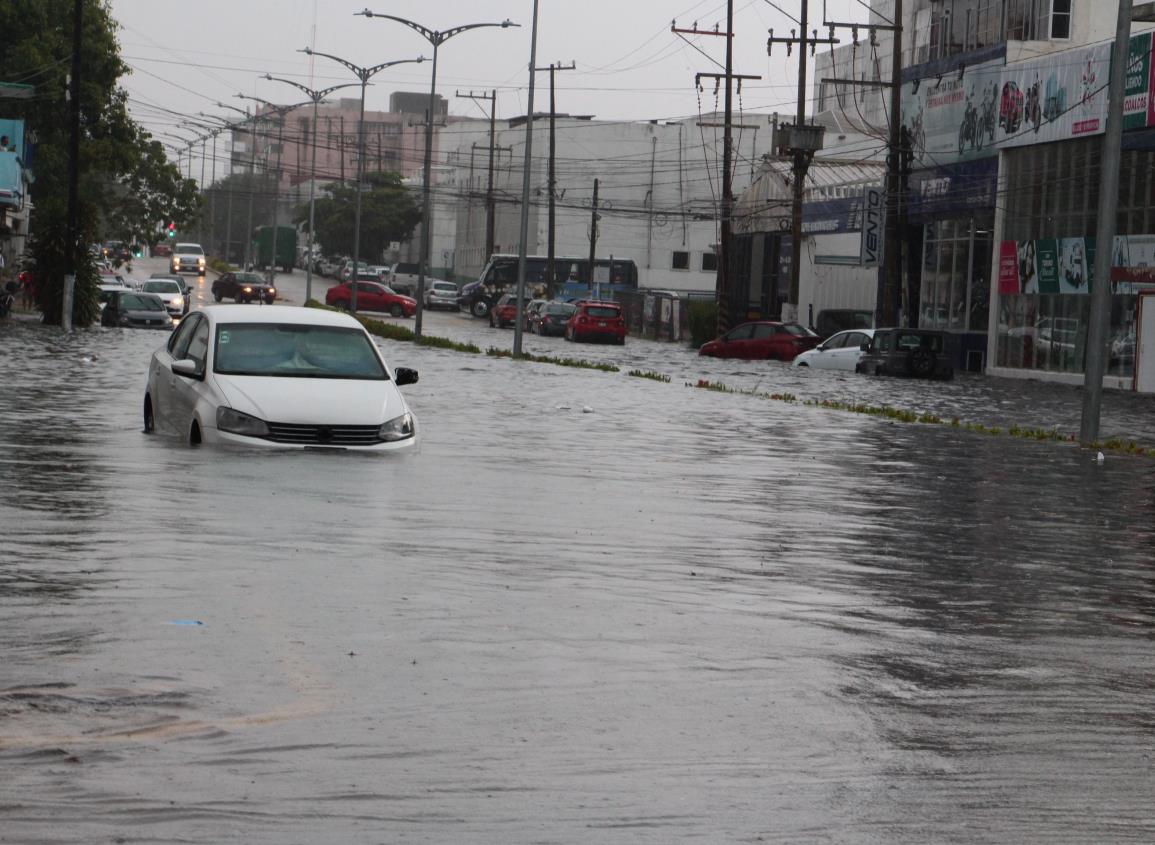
(593, 608)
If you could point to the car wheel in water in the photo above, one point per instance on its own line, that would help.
(217, 297)
(804, 364)
(149, 420)
(194, 434)
(395, 310)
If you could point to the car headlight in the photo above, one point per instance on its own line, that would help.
(238, 423)
(247, 289)
(271, 291)
(398, 428)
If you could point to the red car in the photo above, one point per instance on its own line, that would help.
(597, 321)
(762, 339)
(505, 312)
(372, 296)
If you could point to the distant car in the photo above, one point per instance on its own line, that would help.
(243, 288)
(920, 353)
(132, 310)
(371, 296)
(830, 321)
(532, 308)
(838, 352)
(551, 318)
(440, 294)
(505, 311)
(188, 257)
(175, 277)
(162, 250)
(173, 294)
(286, 377)
(593, 320)
(762, 339)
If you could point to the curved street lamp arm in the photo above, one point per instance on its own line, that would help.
(433, 36)
(371, 71)
(313, 94)
(358, 71)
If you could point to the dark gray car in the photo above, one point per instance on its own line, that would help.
(919, 353)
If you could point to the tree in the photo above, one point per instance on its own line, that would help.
(388, 213)
(237, 189)
(128, 188)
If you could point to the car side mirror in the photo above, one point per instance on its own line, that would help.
(404, 375)
(186, 367)
(865, 346)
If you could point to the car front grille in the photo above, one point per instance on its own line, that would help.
(324, 435)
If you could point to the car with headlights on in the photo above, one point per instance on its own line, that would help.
(243, 287)
(129, 309)
(171, 293)
(190, 257)
(285, 377)
(840, 351)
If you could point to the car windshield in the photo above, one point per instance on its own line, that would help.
(602, 311)
(249, 278)
(136, 302)
(161, 286)
(296, 351)
(449, 286)
(558, 309)
(190, 249)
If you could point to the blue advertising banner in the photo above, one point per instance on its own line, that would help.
(953, 189)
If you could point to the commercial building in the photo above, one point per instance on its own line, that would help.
(14, 178)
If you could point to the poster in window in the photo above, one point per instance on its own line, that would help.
(1009, 268)
(1047, 265)
(1076, 258)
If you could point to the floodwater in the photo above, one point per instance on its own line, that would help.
(594, 608)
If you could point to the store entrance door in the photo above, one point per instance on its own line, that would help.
(1145, 344)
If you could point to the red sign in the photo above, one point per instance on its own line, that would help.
(1009, 268)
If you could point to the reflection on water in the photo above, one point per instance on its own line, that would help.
(683, 615)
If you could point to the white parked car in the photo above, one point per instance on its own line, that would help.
(840, 351)
(284, 377)
(440, 294)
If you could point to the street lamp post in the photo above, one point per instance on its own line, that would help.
(364, 74)
(435, 38)
(232, 154)
(316, 96)
(280, 112)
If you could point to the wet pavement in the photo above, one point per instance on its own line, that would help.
(679, 616)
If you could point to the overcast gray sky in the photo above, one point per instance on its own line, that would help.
(630, 66)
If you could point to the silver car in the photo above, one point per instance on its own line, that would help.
(440, 294)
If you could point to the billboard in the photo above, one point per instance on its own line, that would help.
(873, 221)
(973, 112)
(1066, 265)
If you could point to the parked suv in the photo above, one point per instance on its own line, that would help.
(921, 353)
(597, 321)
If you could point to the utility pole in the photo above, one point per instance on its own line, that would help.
(593, 236)
(888, 298)
(550, 273)
(724, 280)
(1105, 234)
(489, 202)
(72, 251)
(803, 142)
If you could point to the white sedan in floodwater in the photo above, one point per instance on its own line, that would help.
(840, 351)
(281, 377)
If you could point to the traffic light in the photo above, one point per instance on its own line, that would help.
(172, 230)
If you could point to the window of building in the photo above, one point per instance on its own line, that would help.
(1061, 19)
(681, 260)
(709, 262)
(955, 292)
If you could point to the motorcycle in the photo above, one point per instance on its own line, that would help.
(968, 130)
